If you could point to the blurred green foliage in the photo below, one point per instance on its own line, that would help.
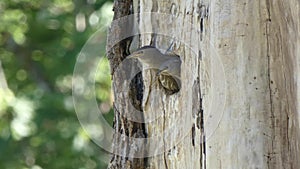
(39, 42)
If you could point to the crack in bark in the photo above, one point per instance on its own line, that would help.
(164, 126)
(268, 21)
(202, 11)
(201, 122)
(193, 135)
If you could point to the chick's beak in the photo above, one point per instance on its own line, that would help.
(135, 54)
(161, 71)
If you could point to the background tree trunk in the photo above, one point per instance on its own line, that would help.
(240, 84)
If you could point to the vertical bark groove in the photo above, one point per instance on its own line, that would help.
(271, 153)
(282, 52)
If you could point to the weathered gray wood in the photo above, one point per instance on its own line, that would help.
(240, 84)
(258, 43)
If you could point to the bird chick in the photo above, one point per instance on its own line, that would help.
(169, 75)
(150, 57)
(168, 66)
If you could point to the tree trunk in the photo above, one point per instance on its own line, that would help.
(238, 106)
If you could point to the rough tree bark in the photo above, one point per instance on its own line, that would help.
(256, 47)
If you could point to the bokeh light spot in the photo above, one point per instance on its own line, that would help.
(21, 75)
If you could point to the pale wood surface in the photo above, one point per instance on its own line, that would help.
(244, 70)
